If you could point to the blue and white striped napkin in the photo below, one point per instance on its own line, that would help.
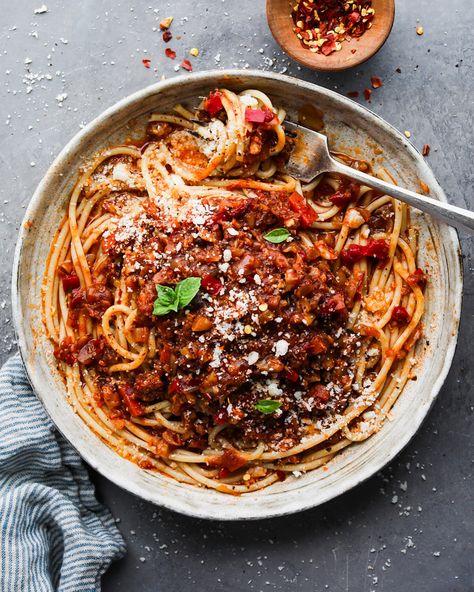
(54, 535)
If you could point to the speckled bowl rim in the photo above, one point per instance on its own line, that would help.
(236, 509)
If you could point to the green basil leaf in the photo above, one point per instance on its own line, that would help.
(267, 406)
(159, 310)
(166, 295)
(171, 299)
(166, 302)
(187, 290)
(278, 235)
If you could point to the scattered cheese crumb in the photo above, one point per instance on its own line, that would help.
(281, 347)
(252, 358)
(121, 173)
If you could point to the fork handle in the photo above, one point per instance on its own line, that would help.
(452, 215)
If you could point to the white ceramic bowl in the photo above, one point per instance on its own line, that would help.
(349, 127)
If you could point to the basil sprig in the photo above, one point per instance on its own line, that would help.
(173, 299)
(267, 406)
(277, 235)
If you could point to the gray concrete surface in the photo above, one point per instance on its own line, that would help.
(410, 528)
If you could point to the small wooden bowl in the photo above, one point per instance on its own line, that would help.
(281, 25)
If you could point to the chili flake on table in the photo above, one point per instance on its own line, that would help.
(322, 25)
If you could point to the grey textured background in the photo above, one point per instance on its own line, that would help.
(409, 528)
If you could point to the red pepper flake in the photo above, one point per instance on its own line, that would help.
(353, 94)
(169, 53)
(367, 94)
(167, 36)
(146, 62)
(322, 25)
(376, 81)
(328, 47)
(186, 64)
(426, 150)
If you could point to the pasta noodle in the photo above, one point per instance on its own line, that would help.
(299, 333)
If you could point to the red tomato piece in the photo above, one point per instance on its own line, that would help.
(377, 248)
(292, 375)
(91, 352)
(134, 407)
(320, 392)
(259, 115)
(341, 199)
(299, 205)
(221, 416)
(400, 315)
(70, 282)
(211, 284)
(174, 387)
(77, 298)
(214, 105)
(417, 278)
(333, 304)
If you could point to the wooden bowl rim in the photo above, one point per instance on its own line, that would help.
(318, 61)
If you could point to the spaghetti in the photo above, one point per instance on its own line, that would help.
(216, 320)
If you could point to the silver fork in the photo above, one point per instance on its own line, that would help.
(310, 157)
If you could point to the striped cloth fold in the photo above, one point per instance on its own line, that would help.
(54, 534)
